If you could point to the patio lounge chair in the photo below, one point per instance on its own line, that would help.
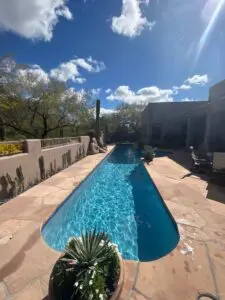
(200, 161)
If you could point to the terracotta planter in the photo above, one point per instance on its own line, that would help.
(115, 295)
(118, 290)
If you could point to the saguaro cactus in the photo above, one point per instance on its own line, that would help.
(97, 129)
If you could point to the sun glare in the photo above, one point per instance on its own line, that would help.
(209, 27)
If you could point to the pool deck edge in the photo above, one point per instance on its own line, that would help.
(26, 260)
(197, 263)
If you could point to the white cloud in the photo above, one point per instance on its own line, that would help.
(65, 12)
(155, 94)
(80, 94)
(198, 79)
(34, 73)
(90, 64)
(81, 62)
(97, 66)
(175, 89)
(131, 22)
(182, 87)
(108, 91)
(71, 92)
(121, 93)
(185, 87)
(146, 2)
(80, 80)
(95, 92)
(106, 111)
(65, 71)
(187, 100)
(69, 70)
(144, 95)
(32, 19)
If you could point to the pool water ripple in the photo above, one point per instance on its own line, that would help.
(119, 198)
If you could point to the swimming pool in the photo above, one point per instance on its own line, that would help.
(120, 198)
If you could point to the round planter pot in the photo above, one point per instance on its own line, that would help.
(114, 296)
(118, 290)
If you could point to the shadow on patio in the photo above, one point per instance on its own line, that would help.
(216, 182)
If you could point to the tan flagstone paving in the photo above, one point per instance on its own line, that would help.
(197, 264)
(25, 260)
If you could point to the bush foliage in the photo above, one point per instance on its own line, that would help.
(10, 149)
(89, 270)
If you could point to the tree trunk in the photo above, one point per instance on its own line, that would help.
(61, 133)
(2, 130)
(44, 134)
(45, 130)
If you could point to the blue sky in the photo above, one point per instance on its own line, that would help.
(137, 51)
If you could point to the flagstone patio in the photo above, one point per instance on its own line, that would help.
(197, 264)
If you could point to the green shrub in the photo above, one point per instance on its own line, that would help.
(149, 154)
(89, 269)
(7, 149)
(141, 146)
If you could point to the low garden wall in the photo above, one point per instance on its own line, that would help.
(36, 161)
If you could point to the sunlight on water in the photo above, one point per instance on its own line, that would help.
(120, 199)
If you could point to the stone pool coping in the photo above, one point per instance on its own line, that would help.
(197, 264)
(26, 260)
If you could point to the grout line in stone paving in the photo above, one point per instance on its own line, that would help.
(140, 293)
(212, 270)
(135, 280)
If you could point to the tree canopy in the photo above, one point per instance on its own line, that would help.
(124, 124)
(35, 107)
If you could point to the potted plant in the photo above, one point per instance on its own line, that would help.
(149, 154)
(89, 269)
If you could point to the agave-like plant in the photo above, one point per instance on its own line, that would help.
(87, 260)
(92, 248)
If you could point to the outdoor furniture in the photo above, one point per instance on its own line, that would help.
(200, 161)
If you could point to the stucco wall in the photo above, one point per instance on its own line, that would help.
(215, 137)
(171, 119)
(217, 91)
(21, 171)
(219, 160)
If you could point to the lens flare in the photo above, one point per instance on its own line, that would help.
(209, 28)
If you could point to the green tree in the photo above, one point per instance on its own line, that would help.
(124, 124)
(34, 107)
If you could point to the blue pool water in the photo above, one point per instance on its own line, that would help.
(120, 198)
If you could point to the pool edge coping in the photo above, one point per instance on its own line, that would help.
(48, 218)
(87, 176)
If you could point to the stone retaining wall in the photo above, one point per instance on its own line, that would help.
(21, 171)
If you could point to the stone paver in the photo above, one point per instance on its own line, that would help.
(196, 265)
(198, 262)
(32, 291)
(136, 295)
(131, 269)
(26, 260)
(217, 256)
(176, 276)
